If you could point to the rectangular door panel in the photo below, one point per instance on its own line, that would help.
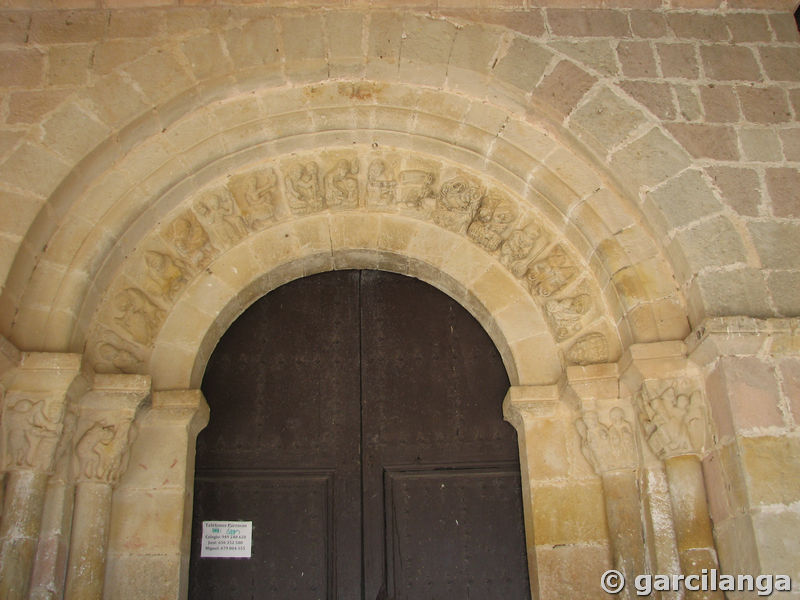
(292, 549)
(455, 533)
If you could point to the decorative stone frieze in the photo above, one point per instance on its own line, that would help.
(224, 214)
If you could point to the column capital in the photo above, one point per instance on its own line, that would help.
(611, 445)
(531, 401)
(105, 427)
(36, 393)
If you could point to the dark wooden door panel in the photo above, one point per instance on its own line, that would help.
(432, 385)
(283, 386)
(292, 555)
(356, 420)
(455, 533)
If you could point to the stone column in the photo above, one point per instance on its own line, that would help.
(50, 565)
(610, 448)
(148, 554)
(611, 451)
(37, 392)
(104, 434)
(565, 522)
(673, 417)
(9, 358)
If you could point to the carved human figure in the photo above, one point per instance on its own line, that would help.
(167, 275)
(492, 221)
(341, 184)
(695, 420)
(673, 423)
(418, 189)
(457, 204)
(32, 429)
(255, 194)
(549, 275)
(520, 246)
(381, 186)
(191, 240)
(607, 447)
(217, 210)
(620, 436)
(590, 348)
(303, 188)
(594, 439)
(137, 314)
(565, 314)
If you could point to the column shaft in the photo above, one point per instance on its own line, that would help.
(692, 521)
(19, 532)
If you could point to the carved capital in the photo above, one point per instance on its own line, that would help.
(607, 447)
(34, 398)
(524, 402)
(106, 427)
(673, 418)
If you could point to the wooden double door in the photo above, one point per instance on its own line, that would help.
(356, 421)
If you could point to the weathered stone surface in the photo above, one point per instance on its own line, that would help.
(684, 199)
(771, 468)
(740, 188)
(784, 191)
(764, 105)
(778, 244)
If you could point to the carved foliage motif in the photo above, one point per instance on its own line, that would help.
(673, 421)
(607, 447)
(223, 216)
(31, 430)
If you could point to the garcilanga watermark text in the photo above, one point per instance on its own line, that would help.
(708, 580)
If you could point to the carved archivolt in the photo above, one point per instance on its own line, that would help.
(223, 214)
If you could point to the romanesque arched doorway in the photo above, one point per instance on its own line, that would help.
(356, 421)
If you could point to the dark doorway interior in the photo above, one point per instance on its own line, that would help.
(356, 421)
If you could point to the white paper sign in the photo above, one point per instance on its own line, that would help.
(227, 539)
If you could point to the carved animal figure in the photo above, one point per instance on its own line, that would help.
(94, 452)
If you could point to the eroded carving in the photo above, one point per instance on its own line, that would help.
(493, 221)
(522, 246)
(588, 349)
(31, 431)
(607, 447)
(137, 315)
(256, 195)
(341, 184)
(565, 314)
(102, 451)
(303, 188)
(191, 240)
(674, 423)
(551, 274)
(167, 275)
(112, 355)
(381, 186)
(417, 189)
(457, 204)
(217, 210)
